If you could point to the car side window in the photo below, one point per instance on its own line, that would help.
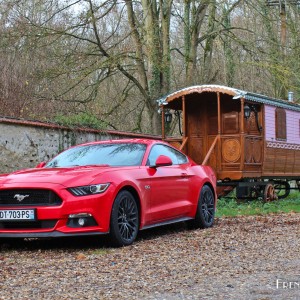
(157, 150)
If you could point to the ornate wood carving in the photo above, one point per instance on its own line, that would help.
(253, 150)
(231, 150)
(251, 123)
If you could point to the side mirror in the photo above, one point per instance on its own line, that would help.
(163, 161)
(41, 165)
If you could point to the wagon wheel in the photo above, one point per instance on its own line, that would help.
(282, 189)
(269, 193)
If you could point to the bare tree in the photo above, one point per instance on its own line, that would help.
(111, 60)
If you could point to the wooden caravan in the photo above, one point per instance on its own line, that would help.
(250, 140)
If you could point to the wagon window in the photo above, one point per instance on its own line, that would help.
(230, 122)
(280, 123)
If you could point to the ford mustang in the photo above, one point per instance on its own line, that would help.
(115, 187)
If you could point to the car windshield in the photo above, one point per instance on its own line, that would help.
(114, 154)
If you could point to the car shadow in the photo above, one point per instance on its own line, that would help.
(83, 243)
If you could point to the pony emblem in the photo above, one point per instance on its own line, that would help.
(20, 197)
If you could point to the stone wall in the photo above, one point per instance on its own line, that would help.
(23, 144)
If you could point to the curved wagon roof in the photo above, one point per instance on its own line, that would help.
(235, 93)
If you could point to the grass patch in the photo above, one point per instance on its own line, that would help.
(232, 207)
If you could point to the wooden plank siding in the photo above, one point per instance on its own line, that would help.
(281, 157)
(281, 162)
(292, 125)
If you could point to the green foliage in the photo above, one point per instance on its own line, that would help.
(80, 120)
(232, 207)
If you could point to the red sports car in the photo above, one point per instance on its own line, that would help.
(110, 187)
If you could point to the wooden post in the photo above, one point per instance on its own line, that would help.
(163, 136)
(242, 116)
(183, 118)
(212, 147)
(218, 154)
(219, 113)
(242, 124)
(183, 143)
(264, 142)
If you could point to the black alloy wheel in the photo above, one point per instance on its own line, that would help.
(206, 209)
(124, 223)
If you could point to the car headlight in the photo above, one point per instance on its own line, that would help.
(89, 189)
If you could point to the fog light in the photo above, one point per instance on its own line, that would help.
(81, 221)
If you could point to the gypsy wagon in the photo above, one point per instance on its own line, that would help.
(251, 141)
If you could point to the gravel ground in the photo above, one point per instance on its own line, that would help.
(239, 258)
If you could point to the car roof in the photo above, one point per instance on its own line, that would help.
(121, 141)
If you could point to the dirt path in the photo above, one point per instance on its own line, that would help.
(240, 258)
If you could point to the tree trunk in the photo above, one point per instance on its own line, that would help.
(193, 19)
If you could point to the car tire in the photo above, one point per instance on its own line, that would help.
(124, 221)
(205, 213)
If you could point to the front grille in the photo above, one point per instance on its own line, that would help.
(47, 224)
(23, 197)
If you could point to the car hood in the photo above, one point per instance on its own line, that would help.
(71, 176)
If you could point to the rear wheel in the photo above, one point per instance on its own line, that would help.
(206, 209)
(124, 222)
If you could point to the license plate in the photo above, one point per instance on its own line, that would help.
(17, 214)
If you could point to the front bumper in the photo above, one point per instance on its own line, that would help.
(98, 206)
(52, 234)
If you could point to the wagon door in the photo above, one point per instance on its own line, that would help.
(196, 129)
(241, 139)
(202, 127)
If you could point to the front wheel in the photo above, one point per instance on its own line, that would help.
(206, 209)
(124, 222)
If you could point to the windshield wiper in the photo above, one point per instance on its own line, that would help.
(95, 165)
